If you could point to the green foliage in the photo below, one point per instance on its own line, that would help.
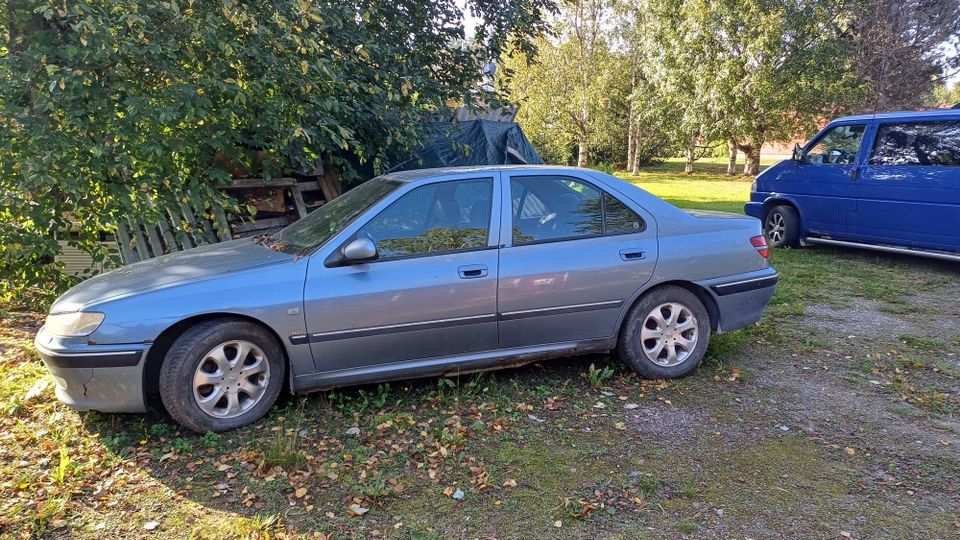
(753, 71)
(598, 376)
(108, 105)
(573, 96)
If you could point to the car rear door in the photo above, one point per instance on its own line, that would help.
(909, 191)
(571, 255)
(432, 292)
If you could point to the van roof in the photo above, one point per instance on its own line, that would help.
(903, 115)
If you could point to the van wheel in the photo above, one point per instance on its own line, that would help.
(222, 374)
(666, 334)
(782, 227)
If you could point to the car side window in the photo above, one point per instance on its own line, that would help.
(436, 218)
(554, 207)
(922, 143)
(557, 207)
(619, 219)
(839, 146)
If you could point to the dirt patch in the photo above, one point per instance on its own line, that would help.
(861, 319)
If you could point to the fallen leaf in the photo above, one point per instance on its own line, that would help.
(151, 525)
(300, 492)
(357, 510)
(849, 451)
(510, 483)
(558, 524)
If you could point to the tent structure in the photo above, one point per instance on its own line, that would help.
(474, 142)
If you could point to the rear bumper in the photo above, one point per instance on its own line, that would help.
(105, 378)
(741, 300)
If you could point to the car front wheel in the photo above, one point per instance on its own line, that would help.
(782, 227)
(222, 374)
(666, 334)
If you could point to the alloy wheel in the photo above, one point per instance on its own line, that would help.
(776, 227)
(231, 379)
(669, 334)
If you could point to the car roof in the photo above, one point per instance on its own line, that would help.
(901, 115)
(417, 174)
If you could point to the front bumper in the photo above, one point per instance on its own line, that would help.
(753, 209)
(105, 378)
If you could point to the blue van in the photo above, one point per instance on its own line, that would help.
(889, 182)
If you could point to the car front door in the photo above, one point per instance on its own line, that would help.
(572, 255)
(431, 293)
(909, 192)
(826, 174)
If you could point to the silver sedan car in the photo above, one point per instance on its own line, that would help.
(412, 274)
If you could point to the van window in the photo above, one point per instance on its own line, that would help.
(921, 143)
(839, 146)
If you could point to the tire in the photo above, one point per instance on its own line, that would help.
(222, 357)
(641, 342)
(781, 227)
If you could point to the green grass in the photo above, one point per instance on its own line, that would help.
(707, 188)
(553, 442)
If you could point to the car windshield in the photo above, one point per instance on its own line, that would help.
(312, 231)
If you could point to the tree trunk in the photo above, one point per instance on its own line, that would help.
(691, 154)
(635, 164)
(732, 164)
(751, 165)
(582, 154)
(630, 139)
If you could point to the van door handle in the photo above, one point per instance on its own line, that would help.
(472, 271)
(632, 254)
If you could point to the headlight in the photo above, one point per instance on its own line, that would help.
(79, 323)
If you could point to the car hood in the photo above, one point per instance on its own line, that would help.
(167, 270)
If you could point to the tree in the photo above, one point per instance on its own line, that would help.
(747, 71)
(899, 46)
(106, 105)
(573, 96)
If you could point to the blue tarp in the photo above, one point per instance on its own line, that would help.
(474, 142)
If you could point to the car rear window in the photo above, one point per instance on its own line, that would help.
(919, 143)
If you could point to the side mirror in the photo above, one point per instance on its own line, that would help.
(360, 250)
(797, 152)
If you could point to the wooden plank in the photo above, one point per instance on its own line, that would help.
(310, 185)
(165, 230)
(195, 233)
(261, 224)
(298, 202)
(139, 240)
(156, 246)
(126, 254)
(223, 231)
(247, 183)
(176, 221)
(329, 193)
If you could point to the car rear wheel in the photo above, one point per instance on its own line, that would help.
(222, 374)
(666, 334)
(782, 227)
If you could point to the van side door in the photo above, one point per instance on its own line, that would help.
(826, 173)
(909, 191)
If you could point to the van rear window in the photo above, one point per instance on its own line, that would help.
(920, 143)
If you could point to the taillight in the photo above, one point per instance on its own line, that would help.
(760, 243)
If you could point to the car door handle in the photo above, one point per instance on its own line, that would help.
(632, 254)
(854, 172)
(472, 271)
